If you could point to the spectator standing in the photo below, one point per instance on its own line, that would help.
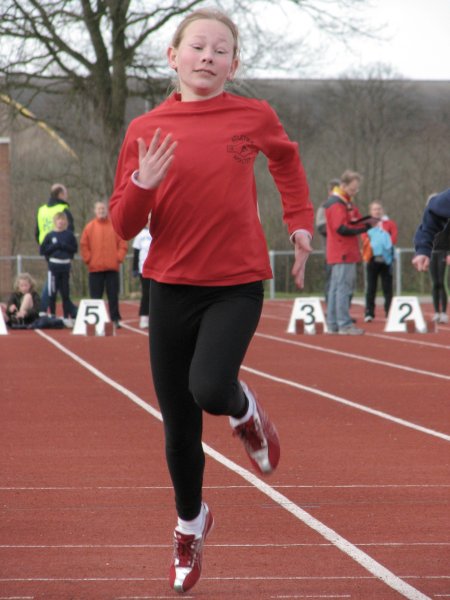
(57, 202)
(59, 247)
(432, 243)
(190, 161)
(103, 251)
(439, 262)
(344, 225)
(378, 254)
(22, 307)
(435, 219)
(321, 227)
(141, 247)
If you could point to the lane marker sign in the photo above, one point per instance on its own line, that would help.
(308, 310)
(3, 330)
(404, 311)
(91, 312)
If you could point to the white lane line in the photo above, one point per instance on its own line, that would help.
(237, 578)
(232, 546)
(374, 361)
(313, 596)
(384, 336)
(335, 398)
(275, 318)
(223, 487)
(338, 399)
(135, 329)
(363, 559)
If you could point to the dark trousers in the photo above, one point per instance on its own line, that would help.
(328, 270)
(375, 270)
(438, 272)
(144, 307)
(108, 280)
(59, 282)
(198, 339)
(45, 301)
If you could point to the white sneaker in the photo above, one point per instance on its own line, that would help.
(259, 436)
(436, 317)
(351, 330)
(186, 566)
(143, 322)
(68, 322)
(443, 318)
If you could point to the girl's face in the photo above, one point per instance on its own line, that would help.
(60, 224)
(204, 59)
(376, 210)
(24, 286)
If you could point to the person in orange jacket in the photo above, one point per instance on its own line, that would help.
(103, 251)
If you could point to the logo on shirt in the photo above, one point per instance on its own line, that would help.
(242, 148)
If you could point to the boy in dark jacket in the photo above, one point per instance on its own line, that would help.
(434, 220)
(432, 244)
(59, 247)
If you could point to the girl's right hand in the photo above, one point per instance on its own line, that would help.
(155, 161)
(421, 262)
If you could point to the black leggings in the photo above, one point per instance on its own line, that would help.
(144, 306)
(198, 340)
(438, 271)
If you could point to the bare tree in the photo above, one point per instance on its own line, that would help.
(99, 53)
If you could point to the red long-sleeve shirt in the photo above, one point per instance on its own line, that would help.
(205, 224)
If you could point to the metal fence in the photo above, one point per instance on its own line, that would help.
(406, 280)
(37, 267)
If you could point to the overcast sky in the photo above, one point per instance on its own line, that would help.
(416, 40)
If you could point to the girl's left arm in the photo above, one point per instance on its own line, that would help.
(288, 173)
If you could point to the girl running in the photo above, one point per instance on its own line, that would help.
(190, 162)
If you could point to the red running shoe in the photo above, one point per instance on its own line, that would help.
(260, 438)
(186, 566)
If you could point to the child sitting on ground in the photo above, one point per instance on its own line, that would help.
(22, 307)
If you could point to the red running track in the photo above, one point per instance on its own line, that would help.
(359, 507)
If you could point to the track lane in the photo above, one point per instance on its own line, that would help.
(93, 346)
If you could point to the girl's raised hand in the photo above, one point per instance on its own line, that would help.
(155, 161)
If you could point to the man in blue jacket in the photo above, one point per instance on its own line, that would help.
(435, 218)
